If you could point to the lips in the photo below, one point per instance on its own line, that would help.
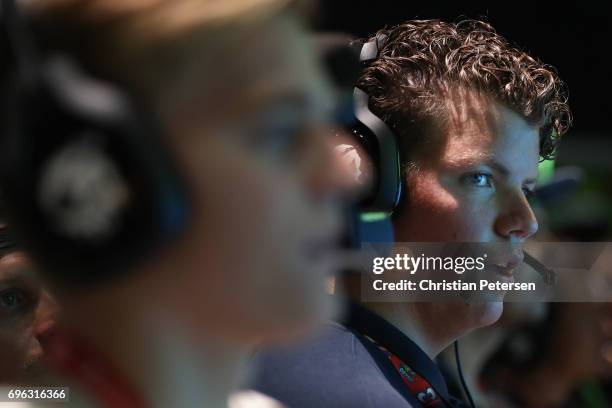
(506, 269)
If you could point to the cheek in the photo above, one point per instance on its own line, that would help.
(242, 221)
(245, 249)
(435, 213)
(471, 223)
(247, 237)
(236, 200)
(17, 345)
(432, 213)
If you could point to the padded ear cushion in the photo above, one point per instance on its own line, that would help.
(88, 184)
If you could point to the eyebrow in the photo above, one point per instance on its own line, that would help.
(11, 273)
(493, 164)
(22, 277)
(12, 279)
(503, 170)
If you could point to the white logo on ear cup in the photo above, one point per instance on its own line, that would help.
(82, 191)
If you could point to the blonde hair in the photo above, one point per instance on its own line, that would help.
(151, 46)
(142, 21)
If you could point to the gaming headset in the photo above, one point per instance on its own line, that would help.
(370, 220)
(378, 140)
(87, 183)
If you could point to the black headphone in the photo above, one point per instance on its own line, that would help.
(370, 221)
(88, 184)
(379, 141)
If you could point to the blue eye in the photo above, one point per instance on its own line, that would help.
(480, 179)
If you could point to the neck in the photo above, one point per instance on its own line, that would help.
(414, 319)
(157, 358)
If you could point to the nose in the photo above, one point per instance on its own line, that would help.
(42, 325)
(46, 315)
(516, 219)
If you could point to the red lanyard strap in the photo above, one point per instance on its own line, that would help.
(78, 361)
(367, 324)
(418, 386)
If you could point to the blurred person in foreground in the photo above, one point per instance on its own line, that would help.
(27, 313)
(242, 108)
(472, 116)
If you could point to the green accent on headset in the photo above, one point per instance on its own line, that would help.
(546, 171)
(373, 216)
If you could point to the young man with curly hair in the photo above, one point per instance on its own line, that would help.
(473, 116)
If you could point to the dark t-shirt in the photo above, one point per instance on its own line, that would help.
(342, 368)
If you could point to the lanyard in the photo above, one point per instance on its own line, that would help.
(418, 386)
(369, 326)
(78, 361)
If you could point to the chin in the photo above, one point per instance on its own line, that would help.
(487, 313)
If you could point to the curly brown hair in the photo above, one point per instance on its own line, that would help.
(423, 58)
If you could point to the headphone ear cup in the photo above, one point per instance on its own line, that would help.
(383, 146)
(90, 190)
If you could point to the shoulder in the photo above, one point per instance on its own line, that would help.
(333, 369)
(335, 348)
